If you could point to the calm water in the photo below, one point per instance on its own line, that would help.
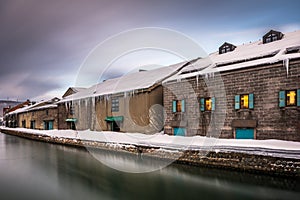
(36, 170)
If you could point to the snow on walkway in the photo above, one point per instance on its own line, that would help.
(280, 148)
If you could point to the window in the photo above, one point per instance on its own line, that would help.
(24, 124)
(47, 112)
(272, 36)
(72, 110)
(289, 98)
(226, 47)
(207, 104)
(178, 106)
(244, 101)
(115, 104)
(32, 124)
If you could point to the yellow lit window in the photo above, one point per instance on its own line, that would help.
(178, 106)
(245, 101)
(291, 98)
(208, 104)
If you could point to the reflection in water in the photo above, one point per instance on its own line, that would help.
(128, 162)
(36, 170)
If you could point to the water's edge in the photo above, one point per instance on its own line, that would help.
(223, 159)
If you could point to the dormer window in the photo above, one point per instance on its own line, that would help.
(226, 47)
(272, 36)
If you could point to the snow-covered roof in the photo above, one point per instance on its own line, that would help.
(38, 106)
(127, 83)
(20, 110)
(246, 55)
(78, 89)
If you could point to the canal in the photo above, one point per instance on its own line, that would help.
(36, 170)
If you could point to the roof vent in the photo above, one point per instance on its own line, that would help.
(226, 47)
(272, 36)
(290, 50)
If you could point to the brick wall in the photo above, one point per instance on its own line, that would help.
(39, 116)
(263, 81)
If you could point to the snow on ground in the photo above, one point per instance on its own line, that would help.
(270, 147)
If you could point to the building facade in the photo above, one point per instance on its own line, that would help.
(261, 97)
(42, 116)
(131, 103)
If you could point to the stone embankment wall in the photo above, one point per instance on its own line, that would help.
(226, 160)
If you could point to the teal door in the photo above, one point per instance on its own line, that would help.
(244, 133)
(179, 131)
(50, 125)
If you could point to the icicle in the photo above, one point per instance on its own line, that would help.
(93, 102)
(206, 76)
(66, 105)
(197, 80)
(93, 108)
(86, 102)
(125, 94)
(286, 65)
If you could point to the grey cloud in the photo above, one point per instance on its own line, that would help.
(50, 38)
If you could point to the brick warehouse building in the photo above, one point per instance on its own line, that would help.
(131, 103)
(42, 115)
(261, 97)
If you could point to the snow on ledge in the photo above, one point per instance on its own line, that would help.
(269, 147)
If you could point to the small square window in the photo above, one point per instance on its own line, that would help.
(115, 105)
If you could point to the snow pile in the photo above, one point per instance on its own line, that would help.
(277, 148)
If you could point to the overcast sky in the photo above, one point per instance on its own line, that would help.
(43, 43)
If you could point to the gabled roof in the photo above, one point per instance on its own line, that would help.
(129, 82)
(271, 33)
(227, 47)
(21, 105)
(52, 103)
(247, 55)
(72, 90)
